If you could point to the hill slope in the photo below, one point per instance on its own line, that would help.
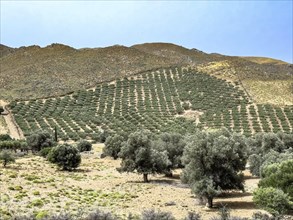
(34, 72)
(156, 100)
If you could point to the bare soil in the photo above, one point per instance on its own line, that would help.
(9, 126)
(98, 184)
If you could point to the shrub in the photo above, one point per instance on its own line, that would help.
(84, 146)
(153, 215)
(6, 157)
(99, 215)
(261, 216)
(275, 201)
(65, 156)
(45, 151)
(5, 137)
(279, 175)
(192, 216)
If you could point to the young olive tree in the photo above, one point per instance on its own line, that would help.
(113, 145)
(6, 157)
(139, 154)
(65, 156)
(84, 145)
(213, 161)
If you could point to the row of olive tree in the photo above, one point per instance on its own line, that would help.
(212, 161)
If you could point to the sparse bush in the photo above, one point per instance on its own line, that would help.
(100, 215)
(192, 216)
(6, 157)
(261, 216)
(84, 146)
(275, 201)
(156, 215)
(65, 156)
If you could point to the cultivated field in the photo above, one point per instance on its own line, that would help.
(33, 185)
(153, 100)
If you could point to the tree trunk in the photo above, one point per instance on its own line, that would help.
(4, 163)
(210, 202)
(145, 177)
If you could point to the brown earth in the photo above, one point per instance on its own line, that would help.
(97, 184)
(34, 72)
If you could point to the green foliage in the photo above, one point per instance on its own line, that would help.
(39, 140)
(45, 151)
(84, 146)
(65, 156)
(268, 148)
(13, 145)
(275, 201)
(5, 137)
(6, 157)
(139, 154)
(213, 161)
(280, 176)
(174, 144)
(113, 145)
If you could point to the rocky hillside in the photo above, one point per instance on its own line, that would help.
(34, 72)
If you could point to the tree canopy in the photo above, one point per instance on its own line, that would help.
(213, 161)
(140, 154)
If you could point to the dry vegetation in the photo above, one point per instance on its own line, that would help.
(3, 126)
(277, 92)
(34, 72)
(34, 185)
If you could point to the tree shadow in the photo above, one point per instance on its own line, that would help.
(235, 194)
(250, 177)
(246, 205)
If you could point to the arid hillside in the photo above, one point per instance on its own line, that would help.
(35, 72)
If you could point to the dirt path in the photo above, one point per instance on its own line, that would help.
(14, 130)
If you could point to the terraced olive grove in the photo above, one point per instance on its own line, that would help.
(160, 100)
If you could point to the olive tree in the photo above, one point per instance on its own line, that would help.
(113, 145)
(39, 140)
(174, 144)
(6, 157)
(267, 148)
(140, 154)
(84, 145)
(213, 161)
(280, 176)
(65, 156)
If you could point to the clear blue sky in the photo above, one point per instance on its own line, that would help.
(255, 28)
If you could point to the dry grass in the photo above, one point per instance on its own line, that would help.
(3, 126)
(265, 60)
(33, 184)
(277, 92)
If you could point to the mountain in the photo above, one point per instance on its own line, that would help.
(35, 72)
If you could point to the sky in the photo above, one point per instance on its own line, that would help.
(240, 28)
